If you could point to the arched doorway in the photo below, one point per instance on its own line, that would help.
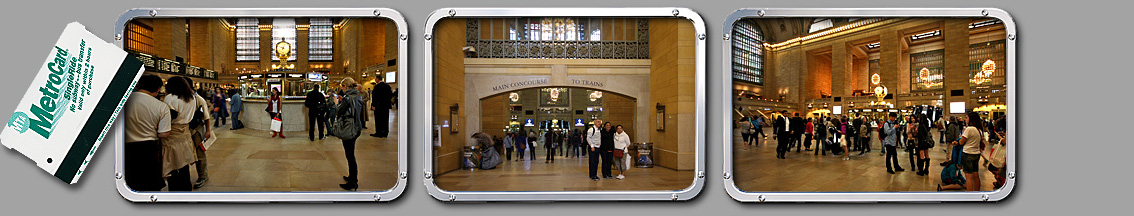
(555, 108)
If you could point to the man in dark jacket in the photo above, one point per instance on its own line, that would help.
(550, 142)
(380, 104)
(797, 128)
(782, 134)
(606, 149)
(315, 103)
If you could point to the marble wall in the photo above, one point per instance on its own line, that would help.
(294, 116)
(673, 85)
(448, 90)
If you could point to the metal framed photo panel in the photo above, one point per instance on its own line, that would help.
(224, 88)
(868, 105)
(564, 104)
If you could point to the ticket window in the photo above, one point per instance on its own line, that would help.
(296, 87)
(253, 88)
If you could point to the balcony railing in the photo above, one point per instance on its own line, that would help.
(639, 48)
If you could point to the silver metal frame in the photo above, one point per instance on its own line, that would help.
(402, 78)
(725, 86)
(426, 129)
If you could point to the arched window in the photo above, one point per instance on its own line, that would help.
(247, 39)
(820, 24)
(747, 52)
(320, 36)
(283, 29)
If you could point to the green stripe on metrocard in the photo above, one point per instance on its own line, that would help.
(100, 120)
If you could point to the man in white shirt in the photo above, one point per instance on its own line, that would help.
(594, 140)
(147, 121)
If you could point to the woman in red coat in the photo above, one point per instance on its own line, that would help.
(275, 107)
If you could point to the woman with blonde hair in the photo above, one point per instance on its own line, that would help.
(350, 106)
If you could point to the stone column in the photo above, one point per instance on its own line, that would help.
(889, 61)
(956, 34)
(841, 73)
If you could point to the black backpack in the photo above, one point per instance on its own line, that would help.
(197, 119)
(882, 133)
(924, 136)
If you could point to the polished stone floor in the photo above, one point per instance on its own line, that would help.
(758, 169)
(248, 160)
(566, 174)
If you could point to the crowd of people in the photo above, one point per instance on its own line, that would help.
(602, 143)
(168, 123)
(967, 139)
(165, 134)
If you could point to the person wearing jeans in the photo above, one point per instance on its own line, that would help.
(509, 140)
(220, 108)
(350, 105)
(236, 105)
(890, 142)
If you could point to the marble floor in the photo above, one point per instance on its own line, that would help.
(566, 174)
(758, 169)
(248, 160)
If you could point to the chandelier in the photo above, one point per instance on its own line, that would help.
(924, 76)
(985, 73)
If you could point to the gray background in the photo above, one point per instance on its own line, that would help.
(1071, 115)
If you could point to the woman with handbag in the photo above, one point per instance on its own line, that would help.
(911, 142)
(621, 141)
(350, 107)
(274, 108)
(220, 110)
(925, 142)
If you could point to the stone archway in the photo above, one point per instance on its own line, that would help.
(576, 109)
(636, 88)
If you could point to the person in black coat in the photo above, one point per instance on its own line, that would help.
(606, 149)
(315, 103)
(551, 141)
(782, 134)
(858, 145)
(797, 128)
(380, 104)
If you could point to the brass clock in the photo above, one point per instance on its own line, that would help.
(283, 50)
